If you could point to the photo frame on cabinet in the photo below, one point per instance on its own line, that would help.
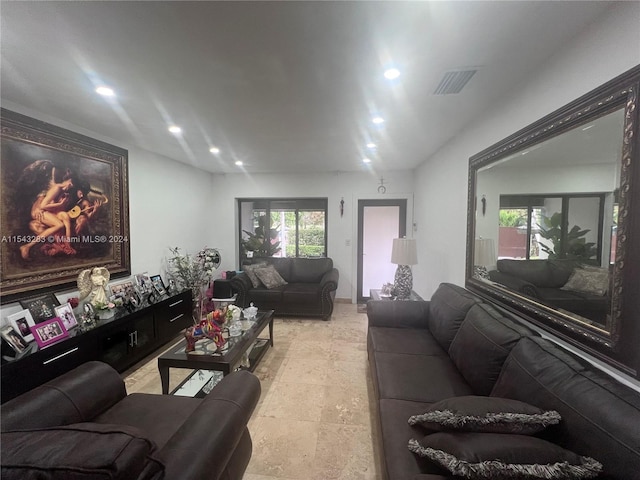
(74, 174)
(42, 307)
(49, 331)
(158, 284)
(22, 322)
(13, 338)
(121, 289)
(65, 313)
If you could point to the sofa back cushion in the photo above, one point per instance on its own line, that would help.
(482, 344)
(536, 272)
(65, 399)
(309, 270)
(283, 265)
(447, 308)
(600, 416)
(79, 451)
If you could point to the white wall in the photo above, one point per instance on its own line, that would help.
(609, 48)
(342, 231)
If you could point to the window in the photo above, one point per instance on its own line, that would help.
(551, 226)
(283, 227)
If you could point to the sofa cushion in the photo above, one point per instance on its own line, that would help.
(474, 413)
(79, 451)
(301, 293)
(482, 344)
(270, 277)
(404, 340)
(421, 378)
(395, 433)
(309, 270)
(261, 296)
(447, 308)
(142, 410)
(594, 281)
(600, 416)
(250, 270)
(499, 455)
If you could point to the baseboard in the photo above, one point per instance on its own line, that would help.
(342, 300)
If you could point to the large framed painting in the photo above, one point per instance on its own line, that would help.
(64, 206)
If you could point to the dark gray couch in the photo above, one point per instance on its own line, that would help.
(542, 280)
(83, 425)
(310, 290)
(455, 344)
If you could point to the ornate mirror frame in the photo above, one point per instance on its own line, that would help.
(619, 343)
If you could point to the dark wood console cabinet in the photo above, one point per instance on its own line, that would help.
(120, 341)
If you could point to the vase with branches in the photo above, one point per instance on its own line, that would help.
(194, 272)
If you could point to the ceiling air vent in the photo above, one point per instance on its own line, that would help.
(454, 81)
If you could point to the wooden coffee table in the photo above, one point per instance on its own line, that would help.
(226, 362)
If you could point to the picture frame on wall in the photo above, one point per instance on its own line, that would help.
(49, 331)
(22, 322)
(65, 313)
(42, 307)
(13, 338)
(48, 171)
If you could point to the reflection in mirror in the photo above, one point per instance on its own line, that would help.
(546, 222)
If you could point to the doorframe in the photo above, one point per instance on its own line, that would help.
(403, 203)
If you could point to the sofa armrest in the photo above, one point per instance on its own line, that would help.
(77, 396)
(398, 313)
(241, 284)
(203, 445)
(329, 281)
(514, 283)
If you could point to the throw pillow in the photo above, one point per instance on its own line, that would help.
(473, 413)
(498, 455)
(588, 280)
(250, 270)
(270, 277)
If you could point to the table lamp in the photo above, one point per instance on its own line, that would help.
(404, 254)
(484, 256)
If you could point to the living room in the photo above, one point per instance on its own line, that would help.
(187, 199)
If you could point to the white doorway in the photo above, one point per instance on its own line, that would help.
(379, 222)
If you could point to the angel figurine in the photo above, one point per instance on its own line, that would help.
(92, 283)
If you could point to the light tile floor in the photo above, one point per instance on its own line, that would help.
(314, 419)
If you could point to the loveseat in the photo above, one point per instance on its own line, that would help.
(548, 282)
(454, 347)
(310, 287)
(83, 425)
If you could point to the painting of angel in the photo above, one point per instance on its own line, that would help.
(64, 202)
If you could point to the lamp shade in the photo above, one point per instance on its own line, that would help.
(404, 251)
(485, 252)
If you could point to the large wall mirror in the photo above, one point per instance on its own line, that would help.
(554, 223)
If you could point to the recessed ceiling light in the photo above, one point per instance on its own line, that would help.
(371, 145)
(175, 129)
(105, 91)
(588, 127)
(239, 163)
(366, 160)
(391, 73)
(377, 120)
(214, 150)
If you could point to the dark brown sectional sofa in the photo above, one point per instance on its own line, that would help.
(457, 345)
(310, 290)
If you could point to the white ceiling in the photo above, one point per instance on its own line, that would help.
(282, 86)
